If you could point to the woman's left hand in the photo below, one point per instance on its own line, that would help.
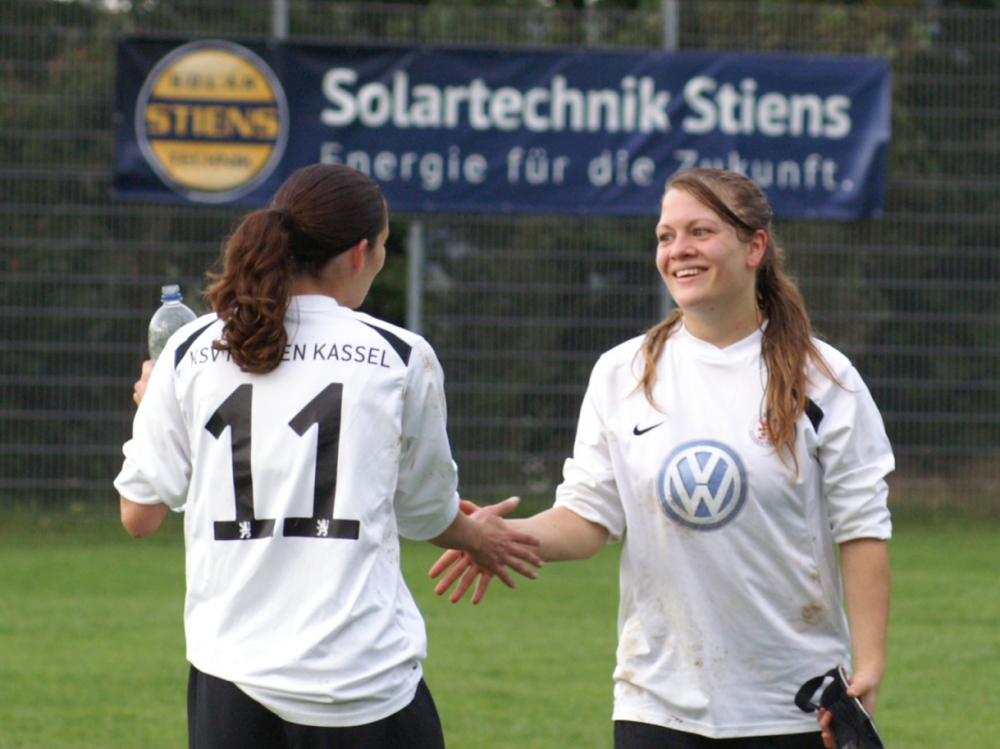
(863, 685)
(825, 718)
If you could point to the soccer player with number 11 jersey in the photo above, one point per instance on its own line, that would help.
(302, 439)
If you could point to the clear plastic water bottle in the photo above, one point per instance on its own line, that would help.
(172, 315)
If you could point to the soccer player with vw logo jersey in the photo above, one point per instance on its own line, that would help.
(302, 439)
(734, 453)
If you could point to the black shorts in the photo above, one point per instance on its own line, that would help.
(223, 716)
(630, 735)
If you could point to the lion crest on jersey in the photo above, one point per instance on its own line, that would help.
(758, 432)
(702, 485)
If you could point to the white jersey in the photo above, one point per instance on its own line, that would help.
(730, 586)
(296, 484)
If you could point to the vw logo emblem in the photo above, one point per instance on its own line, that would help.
(702, 485)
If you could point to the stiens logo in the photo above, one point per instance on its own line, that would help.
(212, 120)
(703, 485)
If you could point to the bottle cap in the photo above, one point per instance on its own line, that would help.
(170, 293)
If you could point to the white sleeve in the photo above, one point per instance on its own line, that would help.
(426, 500)
(589, 488)
(158, 457)
(856, 456)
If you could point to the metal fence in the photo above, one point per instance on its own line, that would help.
(517, 308)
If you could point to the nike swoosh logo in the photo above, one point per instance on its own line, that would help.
(639, 432)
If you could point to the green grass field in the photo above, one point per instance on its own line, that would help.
(92, 652)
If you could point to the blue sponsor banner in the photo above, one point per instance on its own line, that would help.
(585, 132)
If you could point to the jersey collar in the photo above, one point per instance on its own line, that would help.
(745, 349)
(307, 303)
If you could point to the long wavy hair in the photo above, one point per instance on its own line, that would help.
(787, 346)
(319, 212)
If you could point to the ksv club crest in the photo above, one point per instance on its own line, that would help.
(703, 485)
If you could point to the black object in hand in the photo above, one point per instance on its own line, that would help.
(852, 726)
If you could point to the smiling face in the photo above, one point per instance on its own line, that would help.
(709, 270)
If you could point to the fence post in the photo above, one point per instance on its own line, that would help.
(279, 19)
(415, 277)
(671, 24)
(671, 40)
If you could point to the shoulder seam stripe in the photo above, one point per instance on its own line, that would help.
(401, 347)
(815, 413)
(183, 348)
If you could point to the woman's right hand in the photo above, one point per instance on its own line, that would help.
(139, 389)
(561, 535)
(498, 546)
(460, 565)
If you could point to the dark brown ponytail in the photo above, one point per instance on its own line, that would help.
(787, 346)
(318, 213)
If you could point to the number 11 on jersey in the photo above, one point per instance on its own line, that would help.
(323, 410)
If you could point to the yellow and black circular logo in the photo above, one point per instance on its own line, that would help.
(212, 120)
